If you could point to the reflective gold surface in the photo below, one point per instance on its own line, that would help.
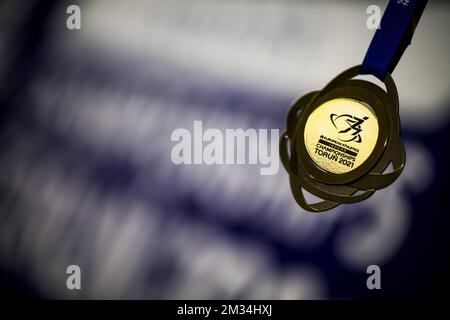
(341, 134)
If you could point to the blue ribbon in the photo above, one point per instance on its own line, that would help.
(397, 28)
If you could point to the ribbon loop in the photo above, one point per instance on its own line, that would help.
(391, 40)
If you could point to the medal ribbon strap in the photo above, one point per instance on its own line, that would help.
(391, 40)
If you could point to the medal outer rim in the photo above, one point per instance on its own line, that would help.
(394, 150)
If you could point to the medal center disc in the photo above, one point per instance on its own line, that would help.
(341, 134)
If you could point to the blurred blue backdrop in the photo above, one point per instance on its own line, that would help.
(86, 176)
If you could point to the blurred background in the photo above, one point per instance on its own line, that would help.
(85, 171)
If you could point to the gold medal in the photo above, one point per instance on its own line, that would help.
(339, 141)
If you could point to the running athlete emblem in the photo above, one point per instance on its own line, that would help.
(349, 127)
